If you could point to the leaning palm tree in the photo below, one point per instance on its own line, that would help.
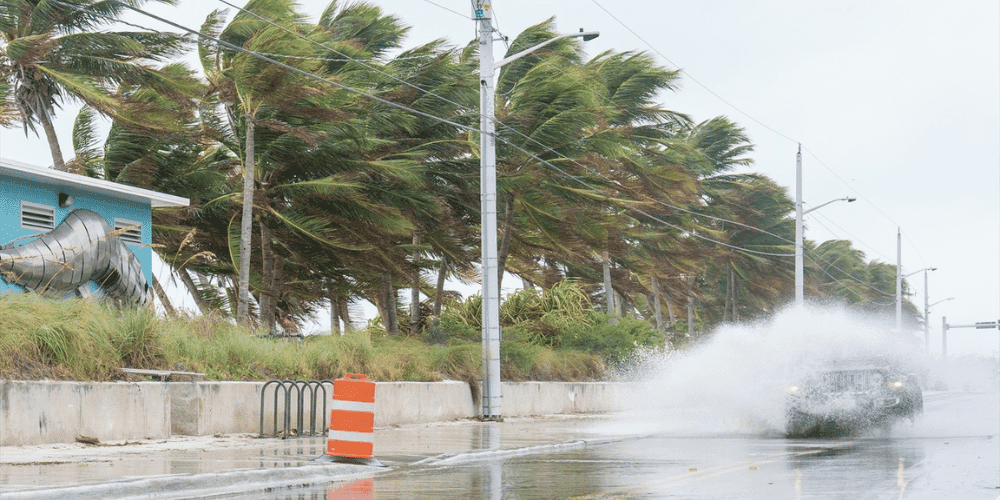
(51, 52)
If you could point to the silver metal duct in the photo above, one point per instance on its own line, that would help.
(83, 248)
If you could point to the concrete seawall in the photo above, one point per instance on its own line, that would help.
(37, 412)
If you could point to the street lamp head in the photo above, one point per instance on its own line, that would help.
(850, 200)
(589, 35)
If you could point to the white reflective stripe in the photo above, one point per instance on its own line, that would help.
(353, 406)
(360, 437)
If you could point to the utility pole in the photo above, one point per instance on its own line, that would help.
(927, 311)
(799, 213)
(799, 271)
(488, 198)
(899, 280)
(483, 15)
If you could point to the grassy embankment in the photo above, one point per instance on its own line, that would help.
(87, 340)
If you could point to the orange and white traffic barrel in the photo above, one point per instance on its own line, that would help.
(352, 421)
(362, 489)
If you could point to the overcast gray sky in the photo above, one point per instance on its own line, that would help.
(895, 102)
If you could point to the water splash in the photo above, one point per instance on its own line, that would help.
(735, 381)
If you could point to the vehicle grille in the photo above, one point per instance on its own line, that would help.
(852, 381)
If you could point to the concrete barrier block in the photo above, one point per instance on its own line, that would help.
(36, 412)
(398, 403)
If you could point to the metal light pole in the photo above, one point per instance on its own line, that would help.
(926, 309)
(799, 271)
(927, 313)
(482, 13)
(899, 280)
(899, 291)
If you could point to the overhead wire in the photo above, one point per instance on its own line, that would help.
(459, 14)
(695, 80)
(754, 119)
(548, 148)
(440, 119)
(751, 117)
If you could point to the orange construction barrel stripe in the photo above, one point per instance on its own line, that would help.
(352, 420)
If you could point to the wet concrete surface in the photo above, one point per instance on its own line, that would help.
(198, 465)
(952, 452)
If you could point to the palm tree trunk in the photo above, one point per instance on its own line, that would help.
(439, 289)
(167, 306)
(732, 293)
(729, 287)
(345, 313)
(53, 139)
(609, 293)
(388, 308)
(246, 226)
(269, 274)
(274, 287)
(670, 312)
(657, 311)
(334, 313)
(690, 316)
(415, 288)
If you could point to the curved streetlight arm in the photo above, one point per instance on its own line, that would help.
(586, 35)
(920, 271)
(847, 199)
(938, 302)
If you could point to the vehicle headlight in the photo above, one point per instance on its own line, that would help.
(793, 389)
(896, 384)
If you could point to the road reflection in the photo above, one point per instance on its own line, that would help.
(854, 467)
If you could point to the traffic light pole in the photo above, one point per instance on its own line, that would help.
(979, 325)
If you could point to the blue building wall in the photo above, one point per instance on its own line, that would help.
(14, 190)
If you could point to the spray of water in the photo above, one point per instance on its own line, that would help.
(735, 381)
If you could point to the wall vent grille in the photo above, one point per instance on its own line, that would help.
(131, 231)
(35, 216)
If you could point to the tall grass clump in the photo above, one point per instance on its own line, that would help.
(552, 335)
(54, 339)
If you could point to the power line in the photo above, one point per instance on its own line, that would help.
(695, 80)
(443, 120)
(449, 10)
(744, 113)
(548, 148)
(290, 68)
(496, 122)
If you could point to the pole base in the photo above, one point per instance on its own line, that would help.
(370, 462)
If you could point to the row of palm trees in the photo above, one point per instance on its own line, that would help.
(326, 164)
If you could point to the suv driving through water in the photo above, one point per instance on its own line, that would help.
(850, 397)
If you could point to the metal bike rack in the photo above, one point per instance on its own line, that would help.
(302, 390)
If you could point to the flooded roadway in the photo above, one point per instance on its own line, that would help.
(952, 452)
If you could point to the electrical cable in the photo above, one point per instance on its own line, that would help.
(459, 14)
(443, 120)
(497, 123)
(755, 120)
(695, 80)
(533, 156)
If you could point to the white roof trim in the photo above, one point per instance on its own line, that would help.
(55, 177)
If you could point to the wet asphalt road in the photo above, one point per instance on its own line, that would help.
(952, 452)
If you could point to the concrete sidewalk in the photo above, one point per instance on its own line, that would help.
(186, 467)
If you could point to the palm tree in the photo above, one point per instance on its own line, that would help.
(51, 52)
(545, 104)
(255, 86)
